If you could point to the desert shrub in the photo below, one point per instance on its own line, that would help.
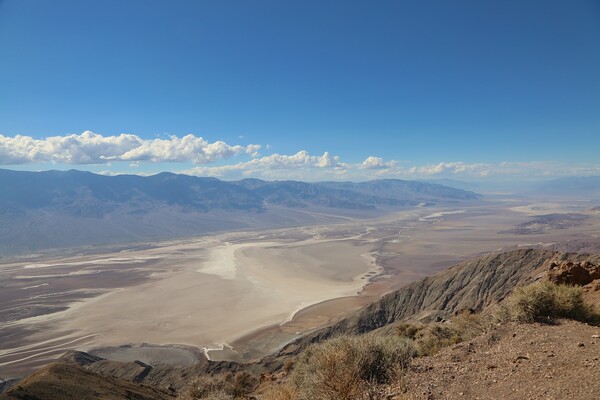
(408, 330)
(279, 391)
(544, 302)
(431, 338)
(288, 365)
(221, 387)
(243, 384)
(204, 386)
(435, 337)
(346, 367)
(470, 325)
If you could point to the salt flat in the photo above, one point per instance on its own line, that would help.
(204, 292)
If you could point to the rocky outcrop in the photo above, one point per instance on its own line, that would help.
(574, 273)
(79, 358)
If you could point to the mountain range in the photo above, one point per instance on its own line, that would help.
(54, 209)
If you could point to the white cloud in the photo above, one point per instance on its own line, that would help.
(278, 166)
(377, 163)
(300, 159)
(452, 168)
(91, 148)
(303, 166)
(253, 149)
(512, 169)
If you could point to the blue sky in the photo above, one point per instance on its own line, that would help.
(461, 89)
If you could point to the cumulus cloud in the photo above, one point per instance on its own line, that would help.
(91, 148)
(287, 165)
(377, 163)
(300, 159)
(133, 151)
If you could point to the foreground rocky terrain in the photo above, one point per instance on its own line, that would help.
(507, 360)
(514, 361)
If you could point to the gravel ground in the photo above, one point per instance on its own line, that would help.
(515, 361)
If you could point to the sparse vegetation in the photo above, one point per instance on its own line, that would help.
(431, 338)
(545, 302)
(408, 330)
(348, 367)
(471, 324)
(221, 387)
(279, 391)
(435, 337)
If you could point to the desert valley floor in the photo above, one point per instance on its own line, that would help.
(241, 295)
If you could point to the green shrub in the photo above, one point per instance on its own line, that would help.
(346, 367)
(544, 302)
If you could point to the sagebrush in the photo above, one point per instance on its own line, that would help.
(545, 302)
(347, 367)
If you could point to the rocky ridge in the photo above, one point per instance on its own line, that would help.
(474, 285)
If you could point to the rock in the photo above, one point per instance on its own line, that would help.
(570, 273)
(580, 344)
(80, 358)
